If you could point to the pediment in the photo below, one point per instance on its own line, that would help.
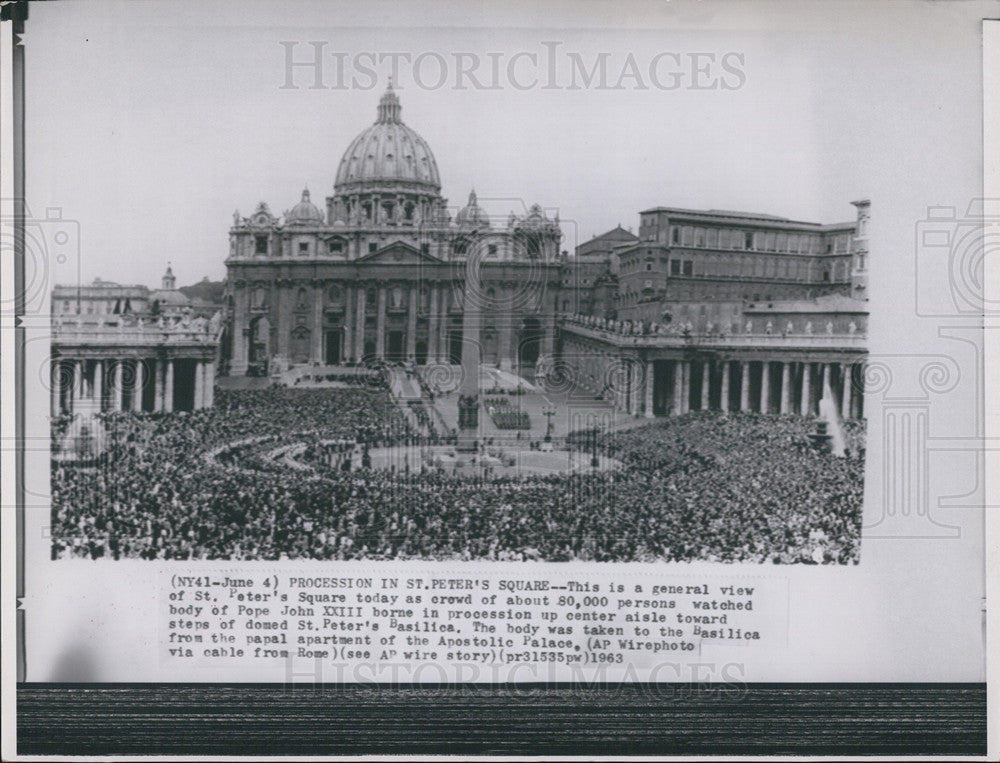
(399, 253)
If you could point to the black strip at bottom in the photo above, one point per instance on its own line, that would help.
(552, 719)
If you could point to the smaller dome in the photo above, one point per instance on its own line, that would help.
(304, 213)
(169, 297)
(472, 215)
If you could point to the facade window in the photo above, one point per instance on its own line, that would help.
(649, 266)
(675, 267)
(687, 235)
(676, 233)
(303, 247)
(688, 267)
(747, 240)
(425, 248)
(372, 247)
(336, 247)
(699, 237)
(492, 249)
(260, 243)
(769, 242)
(713, 238)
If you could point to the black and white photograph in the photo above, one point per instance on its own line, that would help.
(380, 344)
(371, 371)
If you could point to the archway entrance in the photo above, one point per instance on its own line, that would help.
(331, 347)
(396, 350)
(531, 337)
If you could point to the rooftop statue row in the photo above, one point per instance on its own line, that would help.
(687, 328)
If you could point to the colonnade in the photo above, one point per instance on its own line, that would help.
(678, 386)
(109, 384)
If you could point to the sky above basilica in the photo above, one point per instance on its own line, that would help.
(149, 123)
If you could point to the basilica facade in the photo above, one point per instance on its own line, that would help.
(379, 273)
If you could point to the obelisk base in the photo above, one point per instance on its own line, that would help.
(468, 424)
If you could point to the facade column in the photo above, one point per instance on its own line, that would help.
(443, 350)
(199, 385)
(826, 381)
(845, 401)
(806, 407)
(56, 387)
(649, 380)
(158, 375)
(317, 332)
(744, 386)
(786, 388)
(411, 325)
(724, 396)
(380, 324)
(138, 384)
(503, 350)
(359, 324)
(98, 388)
(238, 362)
(685, 386)
(765, 387)
(432, 327)
(678, 387)
(706, 384)
(168, 387)
(347, 351)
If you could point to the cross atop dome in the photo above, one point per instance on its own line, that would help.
(389, 108)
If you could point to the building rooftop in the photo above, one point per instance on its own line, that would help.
(830, 303)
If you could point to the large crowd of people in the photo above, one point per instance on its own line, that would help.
(704, 486)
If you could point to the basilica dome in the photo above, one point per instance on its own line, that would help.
(304, 213)
(388, 152)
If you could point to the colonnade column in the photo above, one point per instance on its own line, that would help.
(199, 385)
(650, 377)
(724, 396)
(826, 381)
(168, 387)
(845, 398)
(77, 382)
(359, 325)
(119, 383)
(786, 388)
(209, 384)
(765, 386)
(98, 387)
(706, 380)
(158, 372)
(137, 385)
(806, 407)
(744, 386)
(56, 387)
